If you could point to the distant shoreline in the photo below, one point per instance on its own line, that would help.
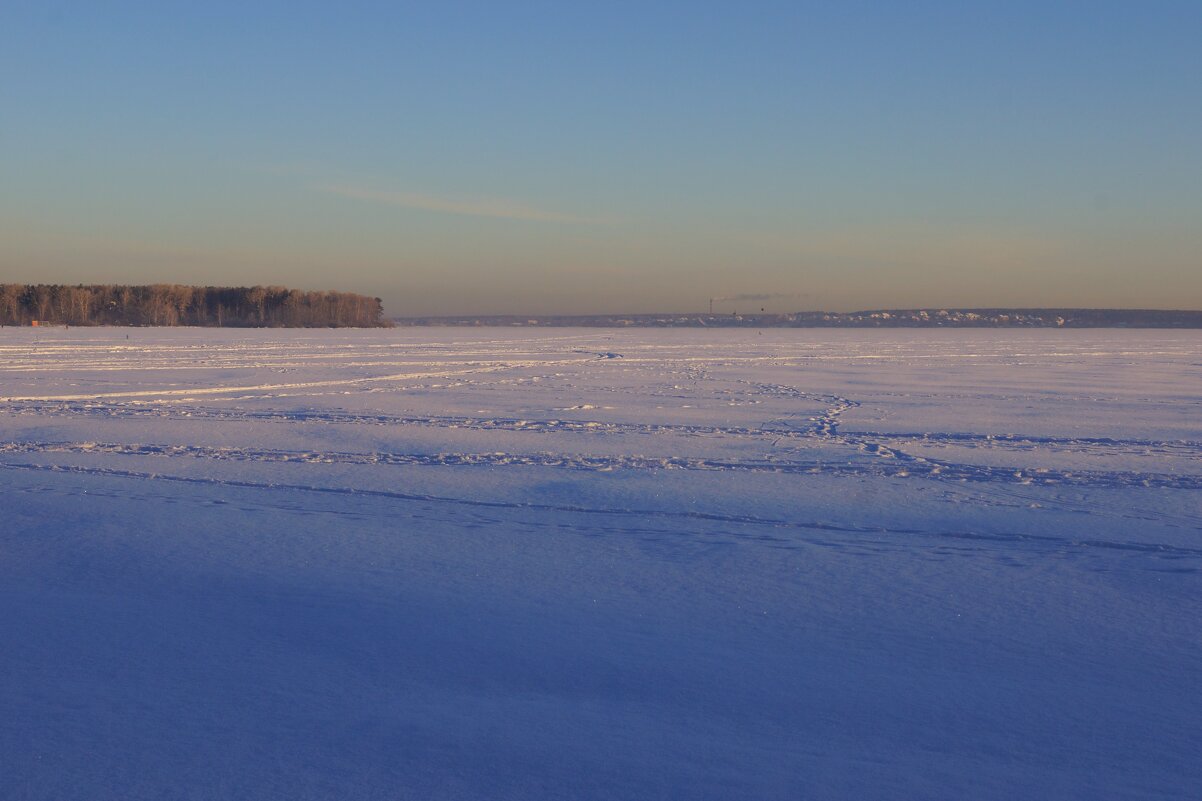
(875, 318)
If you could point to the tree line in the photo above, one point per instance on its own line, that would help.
(174, 304)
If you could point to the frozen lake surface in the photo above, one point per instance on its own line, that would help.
(637, 564)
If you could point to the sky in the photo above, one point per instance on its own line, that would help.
(554, 157)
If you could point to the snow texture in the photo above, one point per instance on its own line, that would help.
(492, 563)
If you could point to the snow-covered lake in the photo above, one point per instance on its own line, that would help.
(636, 564)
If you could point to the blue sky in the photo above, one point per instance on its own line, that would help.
(593, 157)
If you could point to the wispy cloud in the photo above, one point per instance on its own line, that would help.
(292, 170)
(501, 208)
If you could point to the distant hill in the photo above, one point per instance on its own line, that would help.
(173, 304)
(878, 318)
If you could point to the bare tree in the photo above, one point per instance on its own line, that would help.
(174, 304)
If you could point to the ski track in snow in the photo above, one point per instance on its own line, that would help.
(795, 428)
(730, 522)
(896, 465)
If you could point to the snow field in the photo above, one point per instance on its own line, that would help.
(465, 563)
